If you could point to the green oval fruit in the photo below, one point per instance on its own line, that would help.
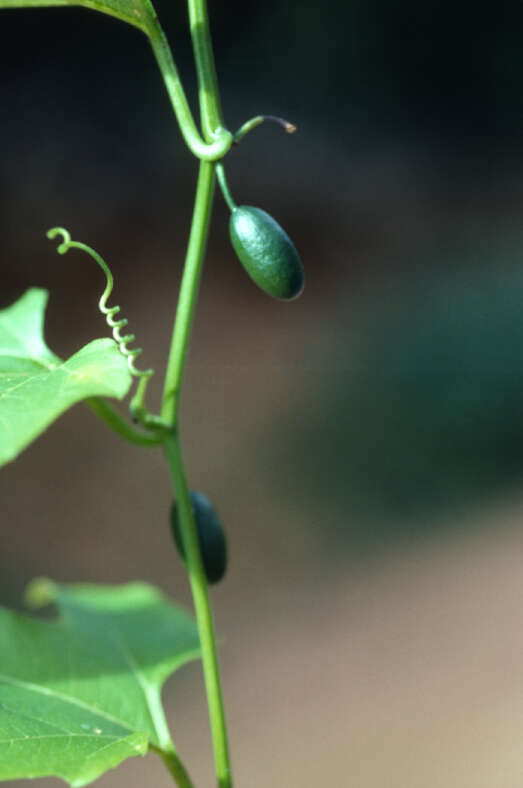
(266, 252)
(211, 537)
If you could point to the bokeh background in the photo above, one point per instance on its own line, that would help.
(364, 444)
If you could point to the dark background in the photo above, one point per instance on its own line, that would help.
(363, 444)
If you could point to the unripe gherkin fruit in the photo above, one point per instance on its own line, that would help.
(266, 252)
(211, 538)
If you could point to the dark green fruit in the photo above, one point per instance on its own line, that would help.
(210, 536)
(266, 252)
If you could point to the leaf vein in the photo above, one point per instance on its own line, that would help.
(66, 698)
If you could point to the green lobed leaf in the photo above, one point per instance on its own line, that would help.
(81, 693)
(139, 13)
(36, 387)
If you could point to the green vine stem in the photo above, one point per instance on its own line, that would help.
(218, 142)
(188, 293)
(203, 611)
(170, 407)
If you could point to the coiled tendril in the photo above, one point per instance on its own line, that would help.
(108, 311)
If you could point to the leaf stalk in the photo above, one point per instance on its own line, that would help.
(118, 424)
(175, 767)
(218, 139)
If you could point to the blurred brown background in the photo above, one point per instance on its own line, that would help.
(364, 445)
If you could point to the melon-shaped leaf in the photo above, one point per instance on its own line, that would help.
(36, 387)
(80, 693)
(139, 13)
